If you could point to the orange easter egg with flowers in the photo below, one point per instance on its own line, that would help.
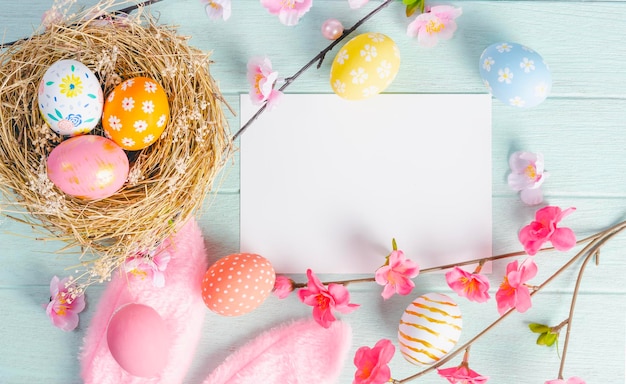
(136, 113)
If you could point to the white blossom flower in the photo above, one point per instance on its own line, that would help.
(527, 65)
(517, 101)
(128, 142)
(128, 103)
(504, 47)
(369, 52)
(487, 63)
(140, 125)
(150, 86)
(115, 123)
(342, 56)
(339, 86)
(505, 75)
(358, 75)
(384, 70)
(127, 84)
(161, 121)
(148, 106)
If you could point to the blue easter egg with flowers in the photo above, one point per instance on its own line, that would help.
(515, 74)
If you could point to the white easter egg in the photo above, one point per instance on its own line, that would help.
(429, 328)
(70, 98)
(515, 74)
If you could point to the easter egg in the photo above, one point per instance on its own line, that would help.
(139, 340)
(88, 167)
(70, 98)
(429, 328)
(136, 113)
(237, 284)
(364, 66)
(515, 74)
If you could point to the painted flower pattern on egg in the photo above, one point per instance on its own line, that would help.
(136, 113)
(515, 74)
(365, 66)
(70, 98)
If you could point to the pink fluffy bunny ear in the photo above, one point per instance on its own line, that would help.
(179, 303)
(301, 352)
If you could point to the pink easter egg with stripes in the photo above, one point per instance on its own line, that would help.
(429, 328)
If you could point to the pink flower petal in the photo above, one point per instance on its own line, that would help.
(563, 239)
(531, 196)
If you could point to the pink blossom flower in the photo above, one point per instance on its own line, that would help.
(371, 363)
(282, 286)
(153, 265)
(474, 286)
(527, 175)
(289, 11)
(355, 4)
(437, 23)
(217, 9)
(544, 229)
(512, 292)
(262, 79)
(65, 304)
(462, 375)
(396, 275)
(571, 380)
(325, 300)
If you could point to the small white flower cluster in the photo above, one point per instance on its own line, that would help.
(51, 203)
(106, 67)
(135, 175)
(180, 166)
(46, 139)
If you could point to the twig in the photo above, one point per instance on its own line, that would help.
(589, 250)
(319, 58)
(126, 11)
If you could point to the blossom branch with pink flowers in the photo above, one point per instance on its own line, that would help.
(319, 58)
(592, 248)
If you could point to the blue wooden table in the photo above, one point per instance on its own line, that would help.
(579, 129)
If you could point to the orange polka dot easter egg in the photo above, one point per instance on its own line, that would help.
(237, 284)
(136, 113)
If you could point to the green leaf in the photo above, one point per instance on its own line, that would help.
(413, 6)
(52, 117)
(91, 95)
(394, 245)
(538, 328)
(58, 113)
(49, 82)
(410, 2)
(551, 338)
(541, 340)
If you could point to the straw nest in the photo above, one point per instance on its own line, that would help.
(168, 181)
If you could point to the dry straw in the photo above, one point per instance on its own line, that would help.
(168, 181)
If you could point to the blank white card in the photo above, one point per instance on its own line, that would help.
(326, 183)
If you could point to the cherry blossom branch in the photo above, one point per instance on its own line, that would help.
(568, 321)
(319, 58)
(618, 227)
(588, 251)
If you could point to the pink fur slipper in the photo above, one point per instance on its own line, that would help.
(179, 303)
(296, 353)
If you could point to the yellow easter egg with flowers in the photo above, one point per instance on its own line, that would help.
(365, 66)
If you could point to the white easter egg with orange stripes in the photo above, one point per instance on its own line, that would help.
(429, 328)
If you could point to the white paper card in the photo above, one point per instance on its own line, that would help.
(326, 183)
